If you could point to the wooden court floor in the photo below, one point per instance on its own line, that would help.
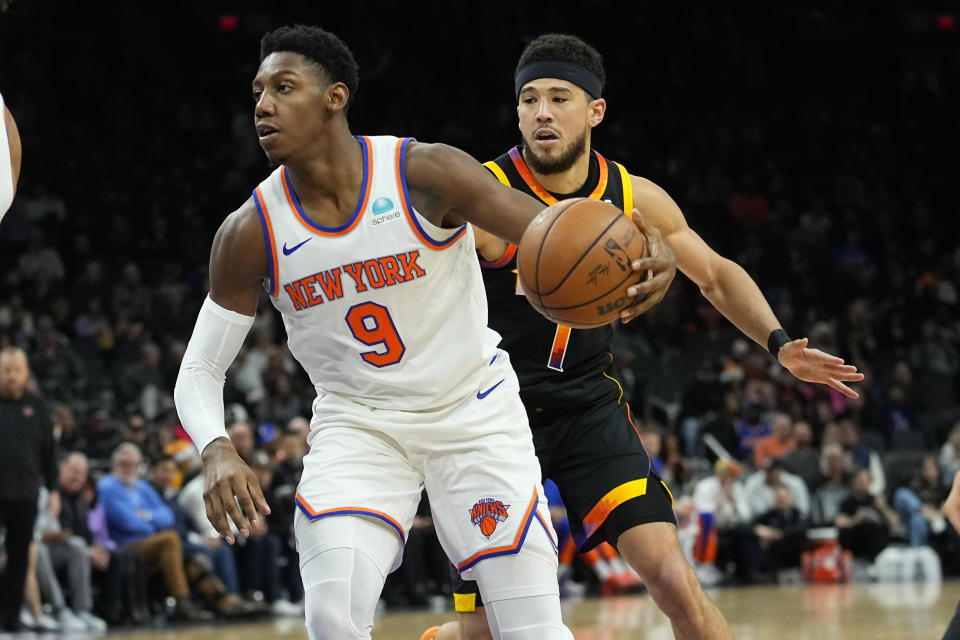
(822, 612)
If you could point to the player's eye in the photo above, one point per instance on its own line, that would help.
(256, 95)
(528, 101)
(283, 87)
(559, 99)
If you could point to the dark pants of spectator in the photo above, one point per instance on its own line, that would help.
(163, 551)
(290, 576)
(865, 540)
(953, 631)
(222, 560)
(259, 566)
(19, 517)
(760, 560)
(123, 588)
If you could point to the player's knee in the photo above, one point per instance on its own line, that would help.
(326, 616)
(527, 618)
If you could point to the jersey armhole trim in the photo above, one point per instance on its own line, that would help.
(401, 171)
(503, 261)
(268, 240)
(627, 190)
(497, 172)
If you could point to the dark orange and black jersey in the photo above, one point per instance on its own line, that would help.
(557, 366)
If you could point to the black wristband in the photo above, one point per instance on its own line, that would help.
(778, 338)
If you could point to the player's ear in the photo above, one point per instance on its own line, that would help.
(597, 108)
(337, 96)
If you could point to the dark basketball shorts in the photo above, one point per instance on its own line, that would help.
(605, 477)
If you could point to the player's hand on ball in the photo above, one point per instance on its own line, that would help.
(661, 261)
(229, 481)
(813, 365)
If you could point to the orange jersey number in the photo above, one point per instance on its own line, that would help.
(372, 325)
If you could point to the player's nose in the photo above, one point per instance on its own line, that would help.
(264, 106)
(543, 111)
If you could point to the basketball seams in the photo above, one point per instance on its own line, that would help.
(536, 264)
(630, 274)
(582, 256)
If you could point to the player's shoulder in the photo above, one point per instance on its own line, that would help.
(427, 162)
(241, 227)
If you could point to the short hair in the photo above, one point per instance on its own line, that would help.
(74, 455)
(320, 47)
(562, 47)
(126, 447)
(161, 458)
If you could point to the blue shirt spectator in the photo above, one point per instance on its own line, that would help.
(134, 509)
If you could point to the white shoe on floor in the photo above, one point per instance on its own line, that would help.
(69, 622)
(46, 622)
(286, 608)
(93, 622)
(27, 621)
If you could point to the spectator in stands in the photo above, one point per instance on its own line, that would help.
(137, 516)
(758, 489)
(241, 435)
(833, 489)
(865, 520)
(109, 566)
(919, 504)
(752, 426)
(208, 562)
(950, 452)
(859, 455)
(61, 551)
(722, 507)
(780, 442)
(804, 459)
(779, 536)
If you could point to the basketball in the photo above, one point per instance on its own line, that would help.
(487, 525)
(574, 261)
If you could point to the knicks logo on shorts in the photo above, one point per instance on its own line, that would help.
(486, 513)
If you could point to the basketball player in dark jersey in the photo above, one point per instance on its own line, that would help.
(585, 437)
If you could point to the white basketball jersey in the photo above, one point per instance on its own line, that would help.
(6, 163)
(387, 309)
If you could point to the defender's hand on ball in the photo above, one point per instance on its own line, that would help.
(230, 481)
(661, 263)
(813, 365)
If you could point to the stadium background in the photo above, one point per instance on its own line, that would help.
(815, 144)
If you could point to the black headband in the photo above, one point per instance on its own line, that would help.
(570, 71)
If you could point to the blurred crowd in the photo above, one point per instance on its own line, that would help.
(832, 192)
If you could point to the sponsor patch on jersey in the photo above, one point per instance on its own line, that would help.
(487, 513)
(384, 211)
(28, 411)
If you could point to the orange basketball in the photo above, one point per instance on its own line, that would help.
(574, 262)
(487, 525)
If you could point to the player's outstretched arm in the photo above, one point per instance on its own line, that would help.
(238, 266)
(9, 177)
(735, 294)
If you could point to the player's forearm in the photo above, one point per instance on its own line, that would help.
(216, 341)
(739, 299)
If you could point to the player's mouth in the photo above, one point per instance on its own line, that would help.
(545, 138)
(266, 132)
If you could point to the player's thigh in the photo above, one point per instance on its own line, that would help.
(605, 476)
(354, 472)
(486, 498)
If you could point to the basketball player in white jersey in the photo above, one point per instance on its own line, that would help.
(10, 153)
(365, 248)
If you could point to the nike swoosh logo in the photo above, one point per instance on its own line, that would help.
(483, 394)
(287, 251)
